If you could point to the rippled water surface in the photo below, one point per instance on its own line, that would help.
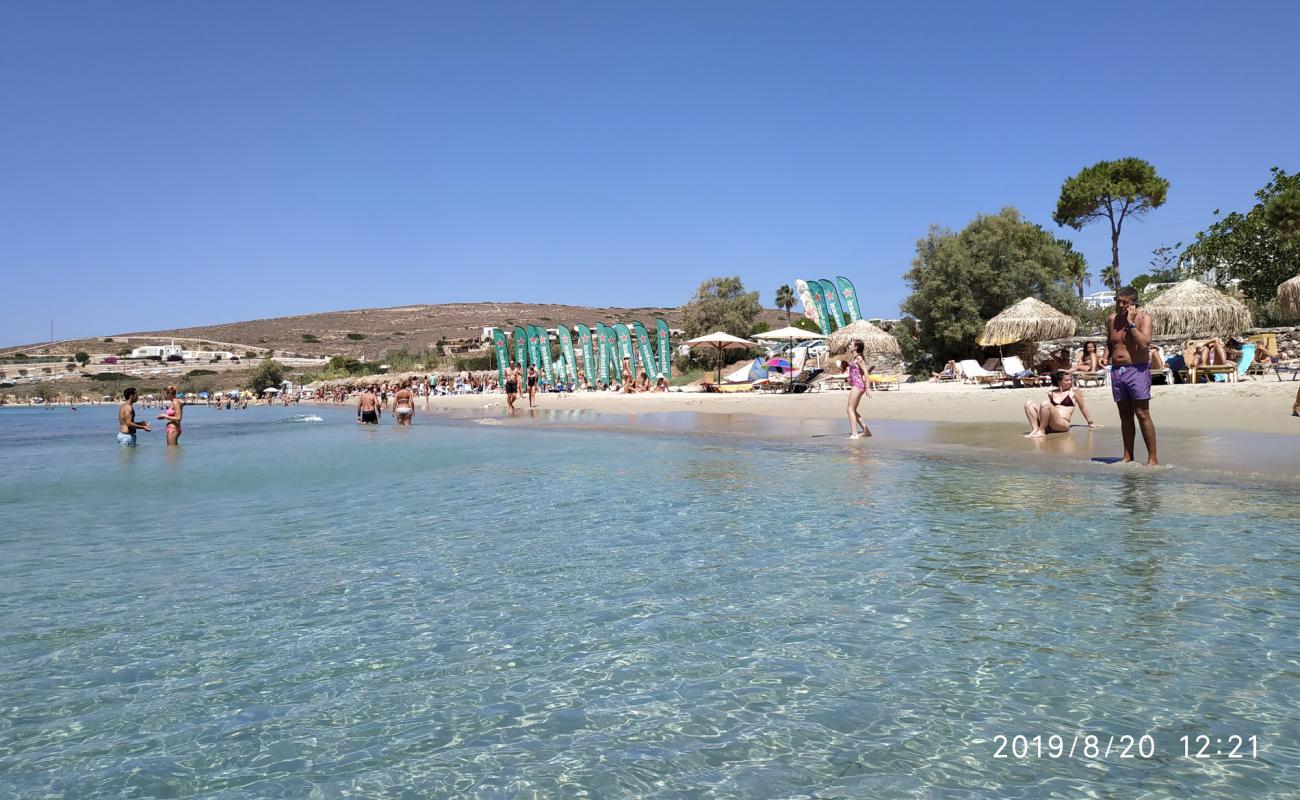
(287, 608)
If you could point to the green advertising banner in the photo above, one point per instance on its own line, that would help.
(544, 347)
(625, 350)
(832, 302)
(646, 349)
(602, 356)
(665, 349)
(608, 352)
(502, 353)
(811, 308)
(566, 350)
(534, 351)
(850, 299)
(584, 344)
(823, 310)
(521, 348)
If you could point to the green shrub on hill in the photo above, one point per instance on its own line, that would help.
(108, 376)
(269, 373)
(309, 338)
(356, 337)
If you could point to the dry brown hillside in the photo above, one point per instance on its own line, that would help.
(371, 332)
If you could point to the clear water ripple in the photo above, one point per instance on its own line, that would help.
(323, 610)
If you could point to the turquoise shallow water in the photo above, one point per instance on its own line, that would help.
(319, 610)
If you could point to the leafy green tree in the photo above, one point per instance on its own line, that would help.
(45, 392)
(342, 365)
(1283, 214)
(803, 323)
(785, 301)
(919, 363)
(1246, 247)
(1115, 190)
(268, 374)
(1165, 260)
(1110, 277)
(961, 280)
(82, 358)
(721, 304)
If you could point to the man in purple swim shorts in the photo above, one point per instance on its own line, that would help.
(1128, 337)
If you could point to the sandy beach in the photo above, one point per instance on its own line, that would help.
(1242, 429)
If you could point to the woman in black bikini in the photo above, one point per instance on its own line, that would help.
(1053, 414)
(532, 385)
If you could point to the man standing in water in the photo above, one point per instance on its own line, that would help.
(368, 407)
(1128, 338)
(126, 424)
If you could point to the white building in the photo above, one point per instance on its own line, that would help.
(163, 351)
(1099, 299)
(166, 351)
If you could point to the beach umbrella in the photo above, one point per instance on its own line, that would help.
(720, 341)
(1192, 308)
(1288, 296)
(875, 340)
(791, 335)
(783, 363)
(1030, 320)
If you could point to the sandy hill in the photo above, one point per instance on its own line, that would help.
(371, 331)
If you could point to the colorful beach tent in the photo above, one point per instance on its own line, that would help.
(755, 370)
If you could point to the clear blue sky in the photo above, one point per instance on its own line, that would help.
(166, 164)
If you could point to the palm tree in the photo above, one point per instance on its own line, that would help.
(1110, 277)
(1076, 266)
(1079, 273)
(785, 300)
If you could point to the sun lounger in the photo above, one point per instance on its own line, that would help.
(1292, 367)
(1226, 372)
(974, 373)
(1018, 375)
(744, 386)
(772, 383)
(885, 383)
(1160, 368)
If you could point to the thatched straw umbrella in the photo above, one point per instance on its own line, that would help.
(875, 340)
(1288, 296)
(1030, 320)
(1191, 308)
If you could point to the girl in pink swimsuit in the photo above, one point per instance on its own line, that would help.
(858, 386)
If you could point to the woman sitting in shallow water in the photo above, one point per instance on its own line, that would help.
(1053, 414)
